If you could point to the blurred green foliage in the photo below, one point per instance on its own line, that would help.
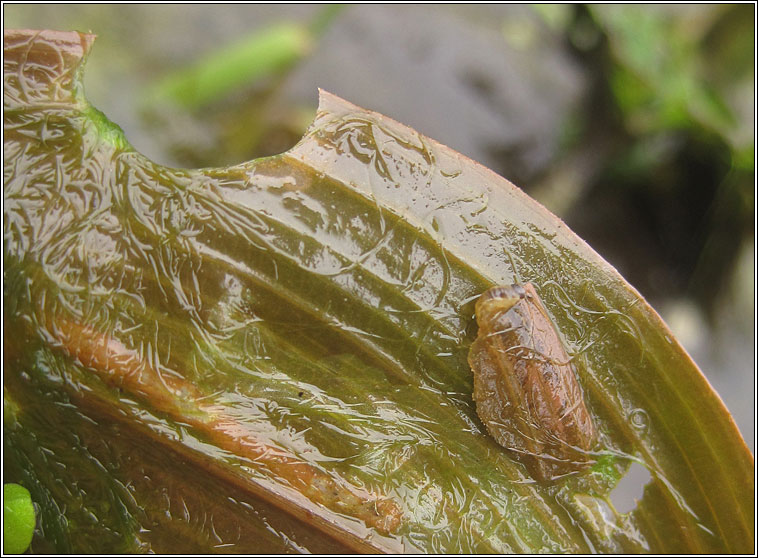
(671, 109)
(256, 56)
(667, 71)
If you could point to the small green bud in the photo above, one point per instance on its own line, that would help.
(18, 519)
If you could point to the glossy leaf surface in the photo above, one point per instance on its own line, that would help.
(273, 356)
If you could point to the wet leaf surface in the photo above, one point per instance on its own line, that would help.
(280, 348)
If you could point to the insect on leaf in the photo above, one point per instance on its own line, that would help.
(273, 356)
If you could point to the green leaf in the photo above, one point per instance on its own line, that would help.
(272, 356)
(261, 54)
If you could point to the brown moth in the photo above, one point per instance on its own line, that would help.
(525, 388)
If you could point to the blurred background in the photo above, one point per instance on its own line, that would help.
(635, 124)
